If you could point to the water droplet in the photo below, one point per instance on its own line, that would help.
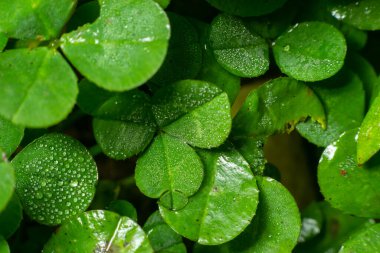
(286, 48)
(39, 195)
(74, 183)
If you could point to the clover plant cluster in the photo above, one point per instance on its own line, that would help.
(141, 125)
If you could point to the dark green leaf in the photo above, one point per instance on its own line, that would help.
(363, 14)
(310, 51)
(253, 152)
(10, 136)
(196, 112)
(123, 208)
(10, 217)
(276, 106)
(312, 221)
(275, 228)
(85, 13)
(237, 48)
(169, 169)
(55, 178)
(7, 184)
(184, 57)
(223, 206)
(113, 51)
(4, 248)
(99, 231)
(38, 87)
(246, 8)
(369, 133)
(162, 237)
(124, 124)
(28, 19)
(339, 175)
(106, 192)
(344, 101)
(366, 240)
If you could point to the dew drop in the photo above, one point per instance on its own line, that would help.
(39, 195)
(74, 183)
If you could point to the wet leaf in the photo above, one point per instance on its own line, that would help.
(99, 231)
(10, 217)
(112, 51)
(55, 178)
(237, 48)
(123, 208)
(310, 51)
(252, 150)
(275, 227)
(124, 124)
(369, 133)
(28, 19)
(344, 101)
(276, 106)
(162, 238)
(169, 169)
(10, 136)
(7, 184)
(223, 206)
(196, 112)
(38, 87)
(246, 8)
(339, 174)
(366, 240)
(362, 14)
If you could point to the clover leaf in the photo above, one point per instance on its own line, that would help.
(11, 217)
(10, 136)
(7, 184)
(363, 241)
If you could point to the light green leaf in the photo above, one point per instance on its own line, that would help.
(38, 87)
(113, 51)
(170, 170)
(310, 51)
(3, 41)
(99, 231)
(184, 57)
(55, 178)
(196, 112)
(275, 228)
(124, 124)
(276, 106)
(7, 184)
(366, 240)
(237, 48)
(29, 19)
(339, 174)
(123, 208)
(344, 101)
(10, 217)
(224, 205)
(247, 8)
(362, 14)
(163, 3)
(4, 248)
(10, 136)
(162, 237)
(369, 133)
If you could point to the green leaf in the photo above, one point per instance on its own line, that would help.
(275, 228)
(7, 184)
(184, 57)
(163, 3)
(99, 231)
(246, 8)
(4, 248)
(276, 106)
(84, 14)
(312, 222)
(10, 136)
(124, 124)
(28, 19)
(170, 170)
(252, 150)
(224, 205)
(10, 217)
(106, 192)
(335, 229)
(55, 178)
(162, 237)
(369, 133)
(366, 240)
(361, 14)
(310, 51)
(196, 112)
(3, 41)
(237, 48)
(339, 174)
(339, 95)
(112, 52)
(38, 87)
(123, 208)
